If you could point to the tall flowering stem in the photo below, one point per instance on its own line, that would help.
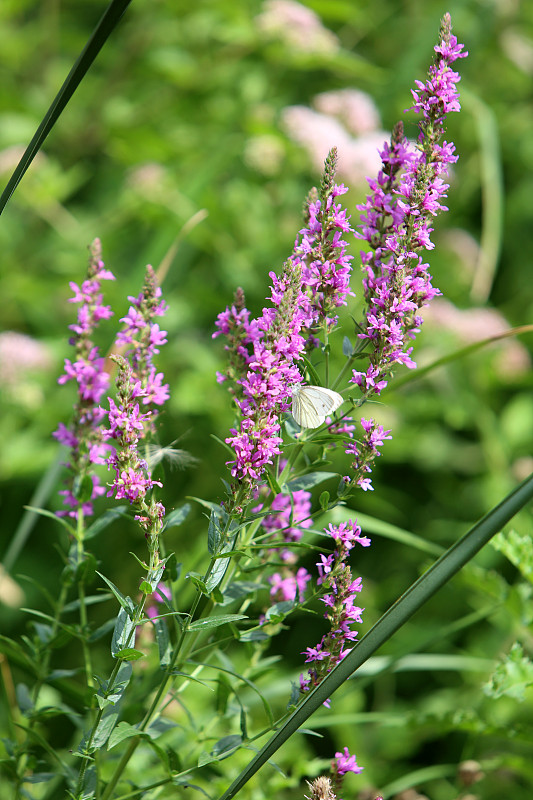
(397, 219)
(137, 384)
(127, 425)
(396, 224)
(84, 436)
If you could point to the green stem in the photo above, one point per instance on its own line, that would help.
(139, 612)
(81, 596)
(167, 678)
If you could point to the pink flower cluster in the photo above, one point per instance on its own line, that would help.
(341, 611)
(263, 352)
(146, 337)
(84, 434)
(322, 251)
(277, 343)
(396, 221)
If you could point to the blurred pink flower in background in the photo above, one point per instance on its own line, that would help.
(355, 109)
(20, 354)
(297, 26)
(340, 114)
(474, 324)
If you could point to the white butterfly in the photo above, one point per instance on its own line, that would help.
(312, 404)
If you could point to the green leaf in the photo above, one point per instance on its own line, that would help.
(272, 482)
(224, 444)
(198, 581)
(516, 547)
(347, 349)
(82, 488)
(400, 612)
(163, 641)
(255, 635)
(125, 602)
(104, 729)
(279, 611)
(207, 504)
(25, 703)
(155, 575)
(123, 731)
(213, 532)
(159, 726)
(512, 677)
(239, 589)
(88, 601)
(123, 634)
(177, 517)
(323, 501)
(105, 520)
(215, 622)
(314, 377)
(219, 569)
(173, 568)
(308, 481)
(129, 654)
(111, 694)
(39, 777)
(145, 587)
(43, 512)
(224, 691)
(226, 744)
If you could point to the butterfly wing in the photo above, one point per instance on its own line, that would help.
(312, 404)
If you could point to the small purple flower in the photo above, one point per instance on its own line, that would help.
(161, 594)
(344, 762)
(289, 516)
(289, 586)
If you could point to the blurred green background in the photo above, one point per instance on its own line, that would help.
(181, 129)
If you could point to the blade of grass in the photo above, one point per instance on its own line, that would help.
(414, 375)
(105, 27)
(414, 598)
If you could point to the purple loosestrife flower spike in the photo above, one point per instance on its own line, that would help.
(341, 612)
(145, 337)
(84, 435)
(396, 222)
(322, 251)
(234, 323)
(127, 426)
(266, 387)
(263, 352)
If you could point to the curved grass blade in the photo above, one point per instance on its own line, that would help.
(46, 486)
(105, 27)
(403, 609)
(414, 375)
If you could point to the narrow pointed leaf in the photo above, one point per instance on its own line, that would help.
(104, 28)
